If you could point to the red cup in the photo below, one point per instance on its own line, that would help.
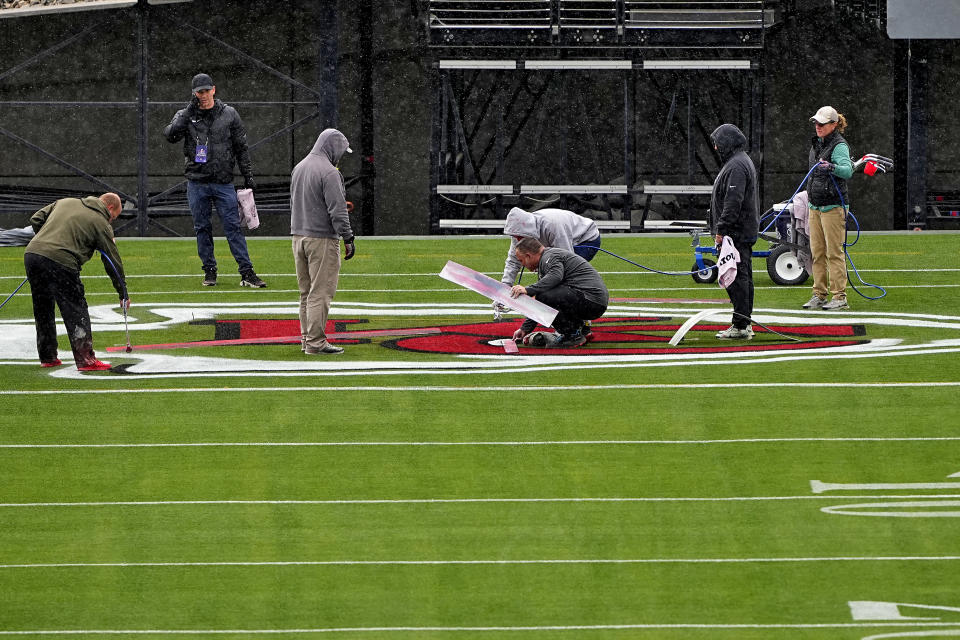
(870, 168)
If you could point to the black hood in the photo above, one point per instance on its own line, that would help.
(729, 140)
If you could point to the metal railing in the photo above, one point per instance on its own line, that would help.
(631, 23)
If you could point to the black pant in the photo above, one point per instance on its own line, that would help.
(572, 308)
(52, 284)
(741, 289)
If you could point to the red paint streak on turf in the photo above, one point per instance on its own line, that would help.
(479, 345)
(707, 300)
(612, 336)
(342, 337)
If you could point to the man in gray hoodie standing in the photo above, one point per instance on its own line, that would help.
(318, 219)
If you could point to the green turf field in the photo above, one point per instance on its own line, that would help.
(425, 484)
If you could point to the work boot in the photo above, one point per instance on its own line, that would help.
(210, 277)
(570, 340)
(250, 279)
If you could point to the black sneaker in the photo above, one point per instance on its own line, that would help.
(210, 278)
(250, 279)
(569, 340)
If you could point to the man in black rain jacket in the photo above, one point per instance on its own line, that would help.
(734, 205)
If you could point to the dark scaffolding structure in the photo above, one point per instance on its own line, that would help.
(144, 209)
(514, 83)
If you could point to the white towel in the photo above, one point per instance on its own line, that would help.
(727, 263)
(801, 211)
(248, 209)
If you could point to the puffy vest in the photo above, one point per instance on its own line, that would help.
(820, 187)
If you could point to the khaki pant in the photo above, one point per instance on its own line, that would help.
(828, 230)
(318, 269)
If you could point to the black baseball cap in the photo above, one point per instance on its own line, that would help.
(201, 82)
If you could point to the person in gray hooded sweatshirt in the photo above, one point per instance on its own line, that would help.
(557, 228)
(318, 219)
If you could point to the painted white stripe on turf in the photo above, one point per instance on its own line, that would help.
(560, 561)
(395, 501)
(207, 292)
(467, 443)
(585, 627)
(524, 389)
(432, 274)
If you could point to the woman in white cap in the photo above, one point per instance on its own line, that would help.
(827, 191)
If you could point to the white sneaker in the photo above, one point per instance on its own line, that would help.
(733, 333)
(816, 302)
(837, 304)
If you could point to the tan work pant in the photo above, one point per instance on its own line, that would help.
(318, 269)
(828, 230)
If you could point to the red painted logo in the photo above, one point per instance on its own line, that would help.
(611, 336)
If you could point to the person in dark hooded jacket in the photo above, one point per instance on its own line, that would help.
(734, 205)
(318, 219)
(213, 141)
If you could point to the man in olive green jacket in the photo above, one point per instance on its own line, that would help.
(68, 231)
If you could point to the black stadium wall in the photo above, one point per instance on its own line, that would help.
(814, 58)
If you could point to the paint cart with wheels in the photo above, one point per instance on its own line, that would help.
(784, 263)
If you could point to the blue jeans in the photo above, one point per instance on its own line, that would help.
(201, 196)
(587, 249)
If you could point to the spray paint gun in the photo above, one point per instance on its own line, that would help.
(873, 164)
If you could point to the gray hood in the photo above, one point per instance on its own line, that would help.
(318, 206)
(521, 223)
(332, 145)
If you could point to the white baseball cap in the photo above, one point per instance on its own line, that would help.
(825, 115)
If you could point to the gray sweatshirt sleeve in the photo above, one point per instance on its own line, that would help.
(334, 194)
(512, 266)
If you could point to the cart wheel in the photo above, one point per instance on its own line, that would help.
(785, 268)
(705, 276)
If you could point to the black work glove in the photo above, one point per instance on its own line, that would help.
(249, 183)
(349, 248)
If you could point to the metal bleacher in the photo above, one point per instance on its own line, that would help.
(642, 23)
(507, 54)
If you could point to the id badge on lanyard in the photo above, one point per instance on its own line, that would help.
(201, 155)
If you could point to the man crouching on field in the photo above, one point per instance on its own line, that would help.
(569, 284)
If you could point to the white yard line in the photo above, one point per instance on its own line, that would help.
(429, 274)
(434, 629)
(496, 389)
(207, 292)
(470, 443)
(223, 291)
(405, 501)
(545, 561)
